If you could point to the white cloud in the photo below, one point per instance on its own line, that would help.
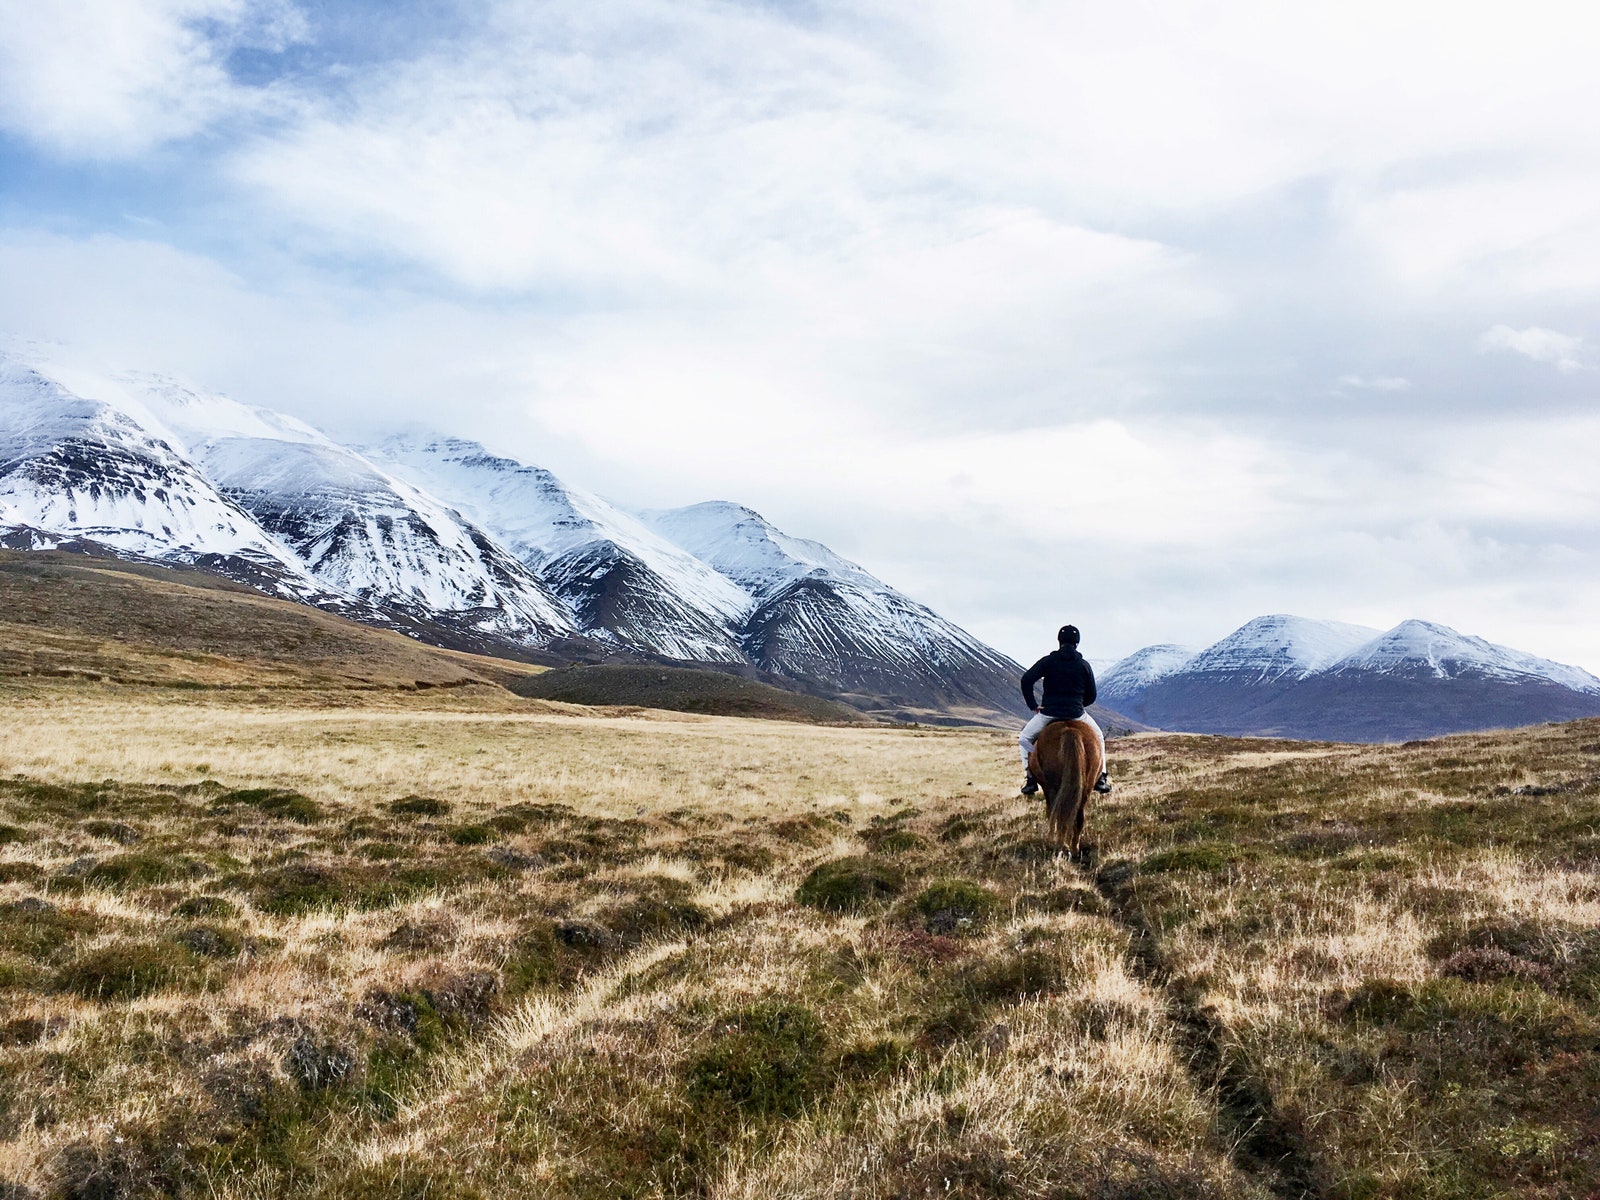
(1562, 350)
(1376, 383)
(113, 78)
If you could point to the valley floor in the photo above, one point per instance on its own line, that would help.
(455, 944)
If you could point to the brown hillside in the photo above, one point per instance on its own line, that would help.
(64, 615)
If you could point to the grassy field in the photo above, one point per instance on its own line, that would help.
(457, 944)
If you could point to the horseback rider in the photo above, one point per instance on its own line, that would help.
(1068, 692)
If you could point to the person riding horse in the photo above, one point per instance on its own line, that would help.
(1068, 692)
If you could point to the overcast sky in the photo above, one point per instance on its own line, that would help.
(1152, 317)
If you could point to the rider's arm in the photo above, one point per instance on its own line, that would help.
(1035, 673)
(1089, 692)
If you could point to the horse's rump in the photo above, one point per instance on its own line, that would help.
(1066, 760)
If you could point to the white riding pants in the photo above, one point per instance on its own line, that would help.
(1031, 731)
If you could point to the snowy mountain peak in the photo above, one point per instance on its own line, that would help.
(77, 467)
(620, 580)
(1417, 646)
(748, 549)
(198, 417)
(1142, 668)
(1279, 645)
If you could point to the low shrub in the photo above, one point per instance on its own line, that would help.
(764, 1061)
(317, 1064)
(471, 835)
(211, 941)
(115, 831)
(138, 1161)
(849, 885)
(956, 907)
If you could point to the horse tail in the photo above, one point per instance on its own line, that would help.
(1067, 802)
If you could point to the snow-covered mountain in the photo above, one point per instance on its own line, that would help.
(1316, 679)
(1439, 652)
(440, 538)
(1278, 647)
(620, 580)
(741, 544)
(1120, 684)
(714, 582)
(361, 532)
(818, 616)
(75, 468)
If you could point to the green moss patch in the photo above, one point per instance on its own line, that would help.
(1186, 858)
(850, 885)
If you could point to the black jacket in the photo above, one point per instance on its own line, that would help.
(1068, 684)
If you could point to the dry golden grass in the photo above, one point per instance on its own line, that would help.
(606, 963)
(474, 741)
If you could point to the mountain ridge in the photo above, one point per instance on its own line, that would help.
(431, 533)
(1289, 676)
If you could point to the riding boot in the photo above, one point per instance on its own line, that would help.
(1103, 784)
(1030, 786)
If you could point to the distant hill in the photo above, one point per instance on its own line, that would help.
(1288, 676)
(680, 689)
(72, 615)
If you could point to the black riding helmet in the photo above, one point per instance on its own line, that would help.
(1067, 635)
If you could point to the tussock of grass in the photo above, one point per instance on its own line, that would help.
(274, 802)
(420, 806)
(765, 1060)
(850, 885)
(129, 970)
(957, 907)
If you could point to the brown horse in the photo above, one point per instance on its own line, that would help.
(1066, 760)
